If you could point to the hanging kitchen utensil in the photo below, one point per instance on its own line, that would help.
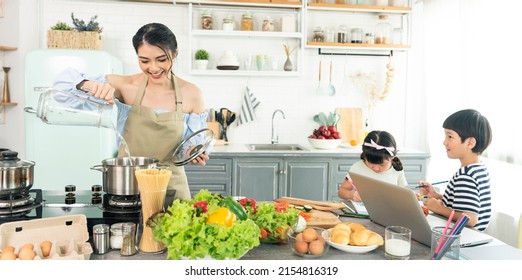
(330, 89)
(193, 146)
(319, 90)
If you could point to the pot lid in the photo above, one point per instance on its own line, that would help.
(9, 159)
(192, 147)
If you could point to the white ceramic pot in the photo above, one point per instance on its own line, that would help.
(201, 64)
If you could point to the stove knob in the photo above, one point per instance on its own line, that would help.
(96, 188)
(70, 200)
(70, 188)
(96, 200)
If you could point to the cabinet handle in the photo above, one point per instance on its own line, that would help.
(282, 172)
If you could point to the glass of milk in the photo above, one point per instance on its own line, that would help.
(397, 243)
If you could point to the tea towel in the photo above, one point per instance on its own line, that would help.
(248, 106)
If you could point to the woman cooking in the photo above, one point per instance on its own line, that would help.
(156, 109)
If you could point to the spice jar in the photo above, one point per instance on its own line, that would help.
(369, 39)
(268, 24)
(228, 23)
(247, 24)
(206, 20)
(318, 34)
(383, 30)
(356, 36)
(128, 247)
(116, 238)
(342, 34)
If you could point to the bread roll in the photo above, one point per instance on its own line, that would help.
(375, 239)
(341, 234)
(356, 226)
(365, 237)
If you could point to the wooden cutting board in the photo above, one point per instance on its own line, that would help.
(322, 219)
(351, 124)
(317, 205)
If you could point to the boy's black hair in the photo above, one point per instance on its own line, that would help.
(377, 156)
(470, 123)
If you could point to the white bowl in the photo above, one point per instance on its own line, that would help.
(348, 248)
(325, 144)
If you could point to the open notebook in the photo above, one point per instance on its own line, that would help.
(389, 204)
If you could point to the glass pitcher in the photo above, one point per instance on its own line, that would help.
(74, 108)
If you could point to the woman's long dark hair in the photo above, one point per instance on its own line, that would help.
(159, 35)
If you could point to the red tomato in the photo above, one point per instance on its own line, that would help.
(281, 206)
(264, 233)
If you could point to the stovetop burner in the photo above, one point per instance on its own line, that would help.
(17, 206)
(121, 203)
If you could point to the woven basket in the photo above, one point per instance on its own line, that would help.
(68, 39)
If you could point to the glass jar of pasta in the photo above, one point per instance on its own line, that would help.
(247, 23)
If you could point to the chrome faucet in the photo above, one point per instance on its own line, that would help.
(275, 137)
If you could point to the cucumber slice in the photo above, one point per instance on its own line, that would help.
(307, 208)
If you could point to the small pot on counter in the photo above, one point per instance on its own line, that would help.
(118, 173)
(16, 175)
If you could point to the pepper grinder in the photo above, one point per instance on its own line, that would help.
(6, 98)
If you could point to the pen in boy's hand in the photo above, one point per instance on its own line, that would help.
(436, 183)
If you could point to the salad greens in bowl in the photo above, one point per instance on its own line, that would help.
(206, 226)
(274, 220)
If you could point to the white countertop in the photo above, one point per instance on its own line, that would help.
(344, 150)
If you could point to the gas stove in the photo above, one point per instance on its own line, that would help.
(98, 207)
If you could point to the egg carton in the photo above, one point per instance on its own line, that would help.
(68, 235)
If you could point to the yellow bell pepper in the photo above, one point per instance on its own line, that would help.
(222, 216)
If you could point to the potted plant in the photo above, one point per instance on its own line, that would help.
(201, 57)
(81, 35)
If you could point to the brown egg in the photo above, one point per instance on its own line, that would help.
(8, 255)
(299, 237)
(309, 234)
(45, 246)
(26, 253)
(28, 245)
(316, 247)
(301, 247)
(8, 248)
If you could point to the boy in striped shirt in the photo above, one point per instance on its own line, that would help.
(467, 135)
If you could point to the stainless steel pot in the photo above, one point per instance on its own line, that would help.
(16, 175)
(118, 173)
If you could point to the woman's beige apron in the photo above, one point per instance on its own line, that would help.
(157, 135)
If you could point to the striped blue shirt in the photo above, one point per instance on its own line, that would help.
(469, 191)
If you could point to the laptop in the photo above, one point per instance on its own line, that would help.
(389, 204)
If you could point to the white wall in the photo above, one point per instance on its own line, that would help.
(295, 95)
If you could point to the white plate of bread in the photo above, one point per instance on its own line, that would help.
(353, 238)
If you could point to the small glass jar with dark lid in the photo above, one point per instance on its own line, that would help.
(356, 36)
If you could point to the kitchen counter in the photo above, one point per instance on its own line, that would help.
(283, 252)
(240, 149)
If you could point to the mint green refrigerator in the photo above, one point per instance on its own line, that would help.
(63, 154)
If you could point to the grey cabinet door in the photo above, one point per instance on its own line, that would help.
(215, 176)
(258, 178)
(307, 178)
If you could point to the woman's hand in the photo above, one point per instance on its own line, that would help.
(201, 159)
(100, 90)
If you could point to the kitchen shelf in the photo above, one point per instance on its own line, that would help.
(242, 43)
(252, 34)
(246, 3)
(244, 73)
(7, 48)
(356, 16)
(359, 8)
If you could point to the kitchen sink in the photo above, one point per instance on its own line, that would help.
(276, 147)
